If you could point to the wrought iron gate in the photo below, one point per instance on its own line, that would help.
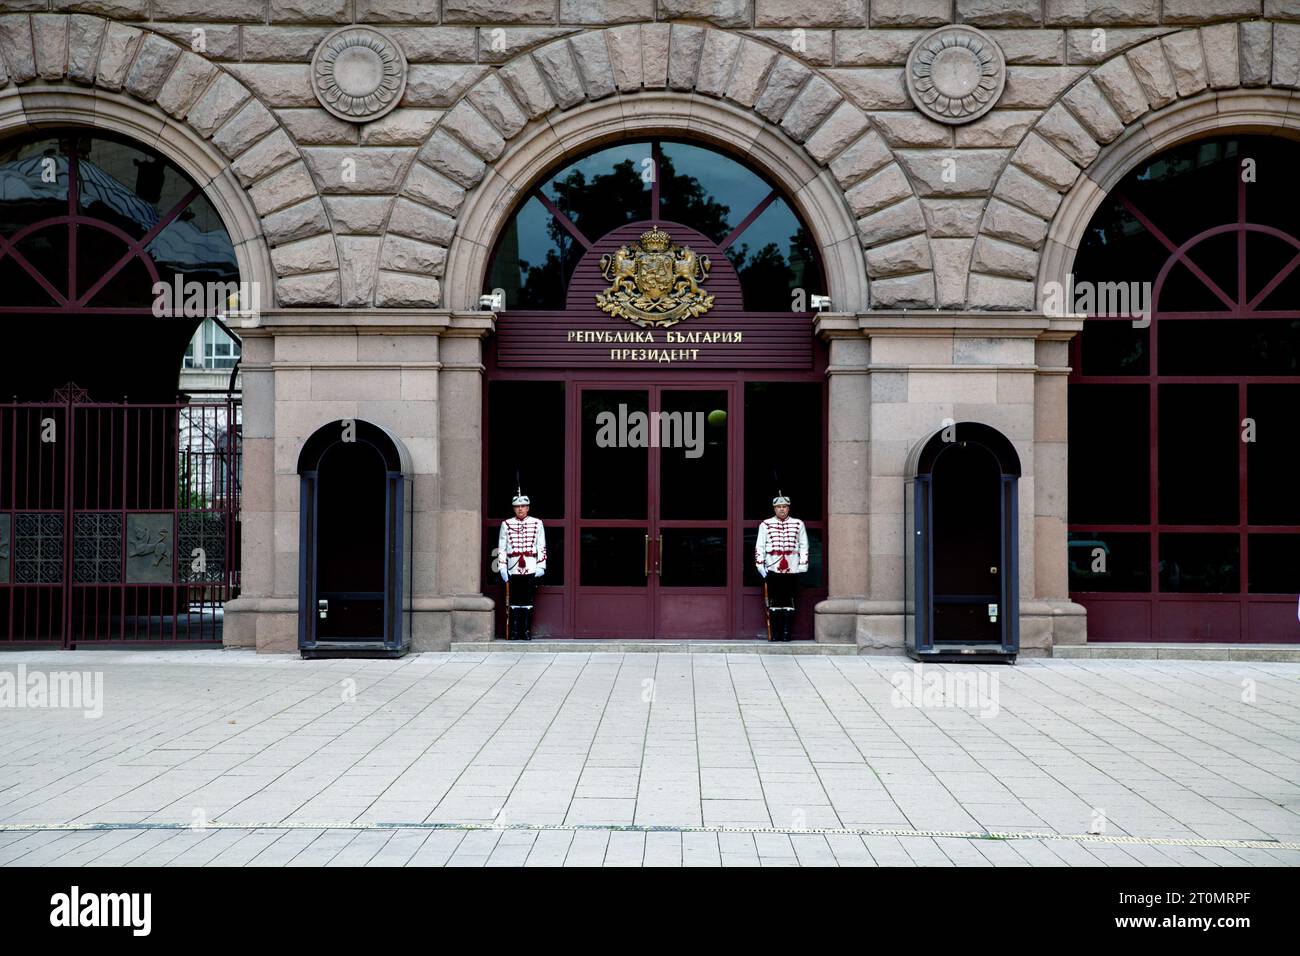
(119, 522)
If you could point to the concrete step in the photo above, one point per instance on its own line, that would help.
(608, 646)
(1181, 652)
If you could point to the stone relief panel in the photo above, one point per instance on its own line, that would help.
(148, 548)
(955, 74)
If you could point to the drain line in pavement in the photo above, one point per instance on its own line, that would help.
(640, 828)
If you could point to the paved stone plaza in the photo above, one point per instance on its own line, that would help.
(230, 758)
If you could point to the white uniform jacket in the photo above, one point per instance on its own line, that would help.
(521, 545)
(782, 546)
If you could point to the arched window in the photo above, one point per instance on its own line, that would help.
(657, 180)
(89, 224)
(1183, 524)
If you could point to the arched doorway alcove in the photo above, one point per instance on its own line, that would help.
(1182, 397)
(354, 566)
(118, 495)
(647, 537)
(961, 564)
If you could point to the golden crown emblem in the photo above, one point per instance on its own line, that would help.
(654, 283)
(655, 240)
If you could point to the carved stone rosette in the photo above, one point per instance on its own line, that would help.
(955, 74)
(358, 74)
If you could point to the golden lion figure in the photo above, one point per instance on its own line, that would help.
(689, 268)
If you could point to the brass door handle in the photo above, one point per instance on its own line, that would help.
(659, 558)
(647, 556)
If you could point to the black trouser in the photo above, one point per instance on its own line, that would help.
(781, 590)
(523, 591)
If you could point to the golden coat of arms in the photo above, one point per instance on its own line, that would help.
(654, 283)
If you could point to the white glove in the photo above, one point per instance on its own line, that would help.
(505, 574)
(538, 573)
(762, 572)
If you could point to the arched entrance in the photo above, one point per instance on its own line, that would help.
(651, 449)
(961, 541)
(1182, 416)
(355, 542)
(118, 496)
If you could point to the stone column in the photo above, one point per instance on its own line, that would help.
(847, 531)
(459, 548)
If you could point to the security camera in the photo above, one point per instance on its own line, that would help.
(821, 302)
(494, 301)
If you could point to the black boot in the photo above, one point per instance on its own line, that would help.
(527, 626)
(512, 631)
(787, 628)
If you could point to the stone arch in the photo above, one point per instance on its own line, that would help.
(58, 69)
(1229, 76)
(656, 77)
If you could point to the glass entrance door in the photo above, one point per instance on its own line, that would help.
(653, 524)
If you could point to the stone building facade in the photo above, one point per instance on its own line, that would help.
(940, 219)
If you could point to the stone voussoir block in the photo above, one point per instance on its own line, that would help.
(268, 155)
(814, 103)
(1059, 127)
(317, 254)
(405, 290)
(1045, 163)
(115, 55)
(996, 257)
(220, 101)
(783, 85)
(433, 189)
(1186, 61)
(717, 58)
(685, 44)
(243, 129)
(900, 257)
(840, 130)
(555, 63)
(1255, 52)
(591, 54)
(1116, 79)
(187, 82)
(1090, 106)
(525, 81)
(299, 221)
(1153, 73)
(1005, 221)
(471, 128)
(290, 185)
(491, 98)
(447, 155)
(85, 35)
(50, 44)
(893, 222)
(1221, 55)
(753, 63)
(404, 254)
(418, 221)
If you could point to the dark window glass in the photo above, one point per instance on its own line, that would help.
(526, 439)
(1109, 454)
(783, 448)
(1114, 348)
(694, 557)
(1200, 563)
(1270, 459)
(706, 190)
(1110, 561)
(195, 243)
(774, 256)
(613, 557)
(615, 453)
(26, 194)
(693, 455)
(1229, 346)
(534, 259)
(1274, 563)
(1199, 435)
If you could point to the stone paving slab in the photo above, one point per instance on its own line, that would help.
(228, 758)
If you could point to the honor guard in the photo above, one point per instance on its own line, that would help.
(521, 554)
(781, 555)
